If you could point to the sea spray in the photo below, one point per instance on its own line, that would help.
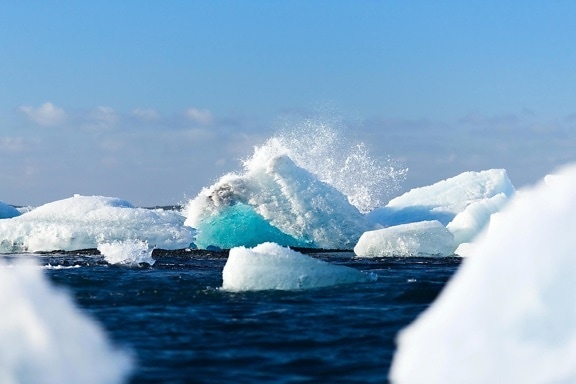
(310, 183)
(321, 146)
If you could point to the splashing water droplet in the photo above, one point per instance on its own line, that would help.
(320, 146)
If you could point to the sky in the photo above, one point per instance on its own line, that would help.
(151, 101)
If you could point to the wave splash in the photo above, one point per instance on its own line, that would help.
(321, 147)
(308, 186)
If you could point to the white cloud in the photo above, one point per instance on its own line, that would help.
(105, 116)
(12, 144)
(146, 114)
(47, 114)
(200, 116)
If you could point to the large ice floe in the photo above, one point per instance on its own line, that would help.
(436, 219)
(8, 211)
(82, 222)
(45, 338)
(274, 200)
(270, 266)
(509, 313)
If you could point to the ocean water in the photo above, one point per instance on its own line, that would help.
(182, 328)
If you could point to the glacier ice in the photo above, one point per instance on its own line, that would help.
(270, 266)
(82, 222)
(509, 313)
(45, 338)
(274, 200)
(8, 211)
(425, 238)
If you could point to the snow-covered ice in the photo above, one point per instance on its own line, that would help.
(509, 313)
(82, 222)
(425, 238)
(270, 266)
(45, 338)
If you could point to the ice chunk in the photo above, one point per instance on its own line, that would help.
(8, 211)
(443, 200)
(468, 223)
(425, 238)
(271, 266)
(509, 313)
(274, 200)
(82, 222)
(44, 338)
(127, 252)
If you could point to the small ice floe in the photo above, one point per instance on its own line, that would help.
(127, 252)
(425, 238)
(270, 266)
(45, 338)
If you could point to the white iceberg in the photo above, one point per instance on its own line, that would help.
(270, 266)
(82, 222)
(443, 200)
(274, 200)
(45, 338)
(509, 313)
(8, 211)
(425, 238)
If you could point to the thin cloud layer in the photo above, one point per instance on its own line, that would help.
(47, 115)
(200, 116)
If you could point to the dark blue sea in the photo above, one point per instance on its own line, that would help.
(181, 328)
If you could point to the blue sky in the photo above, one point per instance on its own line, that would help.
(150, 101)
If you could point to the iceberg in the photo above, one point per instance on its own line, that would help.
(443, 200)
(274, 200)
(425, 238)
(509, 313)
(270, 266)
(45, 338)
(82, 222)
(8, 211)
